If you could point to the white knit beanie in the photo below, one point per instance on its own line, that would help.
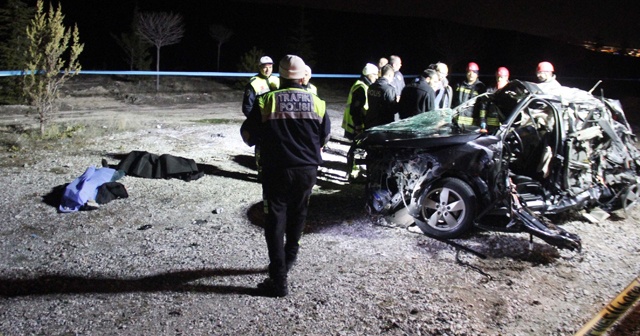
(369, 69)
(291, 67)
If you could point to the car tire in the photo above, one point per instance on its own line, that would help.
(447, 209)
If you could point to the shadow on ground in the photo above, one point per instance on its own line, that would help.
(166, 282)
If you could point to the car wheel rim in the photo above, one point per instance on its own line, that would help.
(443, 209)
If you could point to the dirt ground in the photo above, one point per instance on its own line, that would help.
(184, 258)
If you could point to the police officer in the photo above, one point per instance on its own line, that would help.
(382, 100)
(398, 78)
(292, 125)
(259, 84)
(357, 104)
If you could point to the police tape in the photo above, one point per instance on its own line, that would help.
(176, 73)
(613, 311)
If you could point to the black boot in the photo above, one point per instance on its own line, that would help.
(274, 288)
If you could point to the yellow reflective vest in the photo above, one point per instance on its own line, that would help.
(347, 119)
(261, 85)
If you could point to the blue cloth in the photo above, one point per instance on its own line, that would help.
(84, 188)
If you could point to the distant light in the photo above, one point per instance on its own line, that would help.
(593, 46)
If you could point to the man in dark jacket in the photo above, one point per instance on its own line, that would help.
(292, 126)
(382, 100)
(418, 97)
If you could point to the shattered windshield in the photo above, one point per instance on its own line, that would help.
(436, 122)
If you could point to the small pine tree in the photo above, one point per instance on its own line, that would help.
(45, 70)
(249, 63)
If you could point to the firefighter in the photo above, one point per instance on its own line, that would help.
(469, 88)
(357, 104)
(546, 76)
(502, 78)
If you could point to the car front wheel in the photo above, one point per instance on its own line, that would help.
(447, 208)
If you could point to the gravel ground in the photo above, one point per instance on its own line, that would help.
(195, 270)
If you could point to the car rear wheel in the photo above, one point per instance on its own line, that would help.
(447, 209)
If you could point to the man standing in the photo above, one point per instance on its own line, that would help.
(418, 97)
(382, 62)
(259, 84)
(398, 78)
(292, 125)
(382, 100)
(442, 89)
(357, 104)
(469, 88)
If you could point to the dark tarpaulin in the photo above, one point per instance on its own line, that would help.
(148, 165)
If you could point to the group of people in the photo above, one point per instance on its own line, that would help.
(380, 95)
(288, 124)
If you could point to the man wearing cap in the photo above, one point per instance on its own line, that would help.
(259, 84)
(357, 105)
(292, 126)
(469, 88)
(418, 97)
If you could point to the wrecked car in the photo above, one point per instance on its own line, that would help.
(553, 152)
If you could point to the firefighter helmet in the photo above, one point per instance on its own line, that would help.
(502, 72)
(545, 66)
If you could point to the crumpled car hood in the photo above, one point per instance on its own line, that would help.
(425, 130)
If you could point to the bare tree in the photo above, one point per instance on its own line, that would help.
(135, 48)
(221, 34)
(160, 29)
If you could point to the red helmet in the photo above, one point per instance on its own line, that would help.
(472, 66)
(502, 72)
(545, 66)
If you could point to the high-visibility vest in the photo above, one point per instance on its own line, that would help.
(347, 119)
(312, 88)
(261, 85)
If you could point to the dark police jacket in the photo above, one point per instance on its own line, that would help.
(290, 125)
(382, 103)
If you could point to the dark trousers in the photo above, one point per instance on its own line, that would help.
(286, 194)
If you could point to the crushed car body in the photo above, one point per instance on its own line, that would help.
(554, 151)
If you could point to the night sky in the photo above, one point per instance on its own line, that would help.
(363, 31)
